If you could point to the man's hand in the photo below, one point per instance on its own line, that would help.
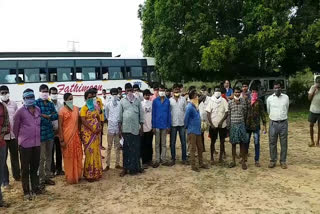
(264, 129)
(154, 131)
(168, 131)
(62, 144)
(45, 116)
(220, 124)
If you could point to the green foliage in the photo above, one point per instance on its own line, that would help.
(215, 39)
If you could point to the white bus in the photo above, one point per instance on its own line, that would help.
(74, 74)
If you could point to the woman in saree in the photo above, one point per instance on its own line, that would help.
(90, 136)
(70, 140)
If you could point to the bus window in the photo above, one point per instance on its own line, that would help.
(52, 74)
(8, 76)
(88, 73)
(64, 74)
(43, 75)
(31, 75)
(134, 72)
(105, 73)
(145, 73)
(115, 73)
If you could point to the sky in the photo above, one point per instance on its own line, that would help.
(48, 25)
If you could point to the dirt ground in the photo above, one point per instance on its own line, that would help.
(177, 189)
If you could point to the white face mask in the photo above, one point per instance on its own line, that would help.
(5, 98)
(162, 93)
(236, 98)
(54, 96)
(44, 95)
(217, 94)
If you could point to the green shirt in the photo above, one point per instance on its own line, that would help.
(131, 116)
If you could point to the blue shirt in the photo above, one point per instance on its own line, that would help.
(229, 92)
(192, 120)
(161, 114)
(46, 127)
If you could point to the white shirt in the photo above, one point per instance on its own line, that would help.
(147, 109)
(178, 109)
(315, 103)
(202, 109)
(12, 107)
(113, 116)
(278, 107)
(57, 106)
(217, 108)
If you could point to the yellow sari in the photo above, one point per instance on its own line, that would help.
(91, 143)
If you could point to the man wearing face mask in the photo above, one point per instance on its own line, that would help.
(192, 122)
(278, 107)
(161, 123)
(256, 114)
(155, 91)
(314, 116)
(56, 166)
(11, 142)
(26, 128)
(137, 92)
(113, 118)
(204, 100)
(178, 106)
(217, 113)
(48, 114)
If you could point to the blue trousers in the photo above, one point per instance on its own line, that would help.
(256, 137)
(173, 140)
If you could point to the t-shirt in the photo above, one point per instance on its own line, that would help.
(147, 108)
(315, 103)
(217, 108)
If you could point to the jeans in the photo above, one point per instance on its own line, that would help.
(13, 148)
(2, 162)
(256, 137)
(173, 141)
(45, 160)
(278, 130)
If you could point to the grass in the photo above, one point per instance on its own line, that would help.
(298, 113)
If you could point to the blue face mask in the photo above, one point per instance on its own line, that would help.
(29, 102)
(90, 104)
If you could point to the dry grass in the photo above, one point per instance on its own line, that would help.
(179, 190)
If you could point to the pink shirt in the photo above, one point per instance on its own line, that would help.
(12, 107)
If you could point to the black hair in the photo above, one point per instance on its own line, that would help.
(317, 78)
(223, 90)
(105, 90)
(94, 90)
(28, 90)
(175, 86)
(4, 88)
(203, 88)
(66, 96)
(155, 85)
(209, 90)
(168, 90)
(191, 88)
(114, 91)
(277, 82)
(162, 86)
(43, 86)
(136, 86)
(254, 87)
(146, 92)
(237, 89)
(245, 83)
(192, 93)
(53, 89)
(86, 94)
(119, 88)
(128, 86)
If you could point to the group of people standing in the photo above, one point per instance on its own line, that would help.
(44, 126)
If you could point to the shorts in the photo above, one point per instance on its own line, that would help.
(313, 118)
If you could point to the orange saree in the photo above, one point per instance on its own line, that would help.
(72, 151)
